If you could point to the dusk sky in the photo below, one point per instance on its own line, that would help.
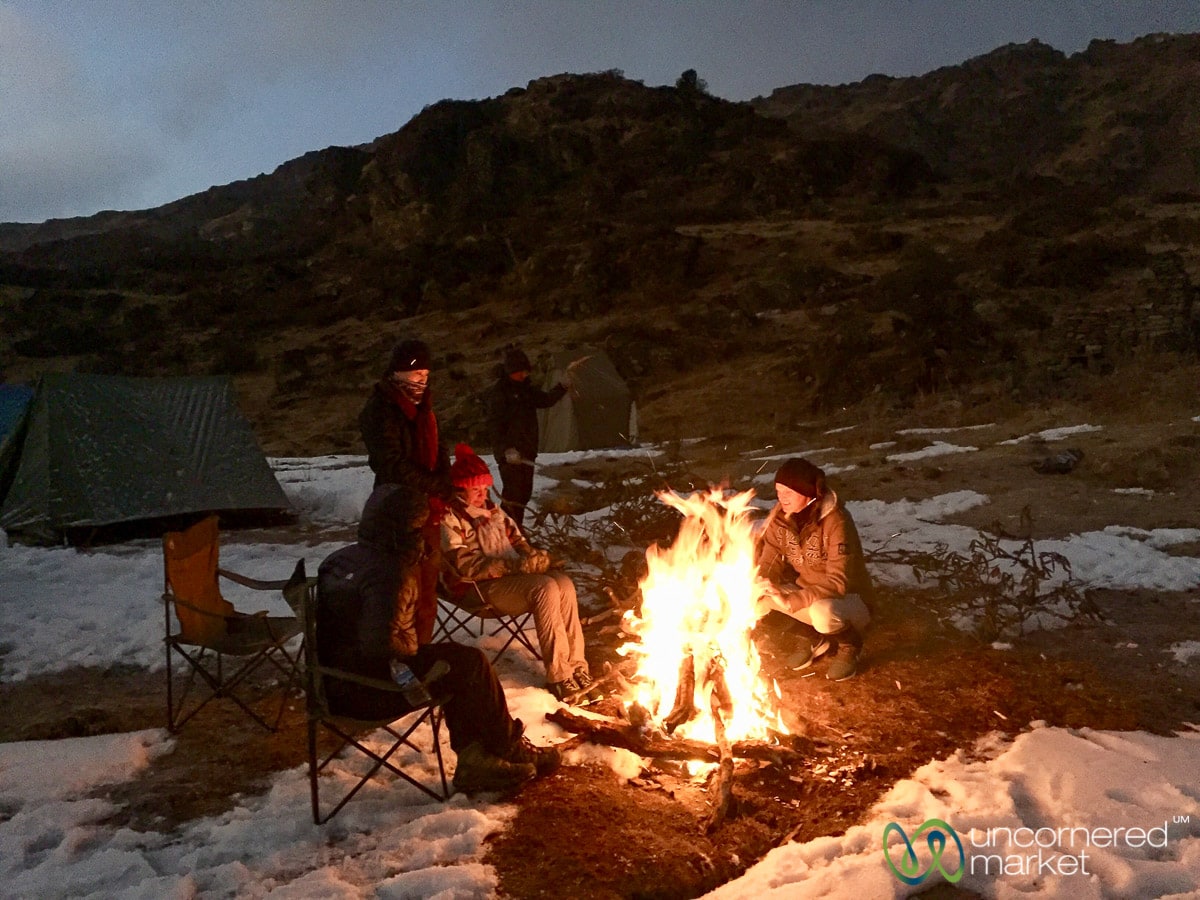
(130, 104)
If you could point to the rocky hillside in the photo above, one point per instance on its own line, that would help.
(986, 232)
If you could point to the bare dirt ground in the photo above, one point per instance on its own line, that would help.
(925, 690)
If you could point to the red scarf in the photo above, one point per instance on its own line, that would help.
(426, 454)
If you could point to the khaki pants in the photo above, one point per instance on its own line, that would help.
(555, 608)
(828, 615)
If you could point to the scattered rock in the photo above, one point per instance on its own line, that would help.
(1060, 463)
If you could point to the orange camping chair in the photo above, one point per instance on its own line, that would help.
(218, 646)
(345, 730)
(470, 614)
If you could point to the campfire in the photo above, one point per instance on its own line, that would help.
(691, 641)
(690, 685)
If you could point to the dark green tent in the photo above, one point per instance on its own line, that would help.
(13, 400)
(100, 450)
(598, 413)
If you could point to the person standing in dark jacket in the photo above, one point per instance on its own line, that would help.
(512, 416)
(400, 431)
(366, 621)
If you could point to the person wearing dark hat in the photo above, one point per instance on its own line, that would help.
(400, 431)
(366, 625)
(481, 543)
(810, 553)
(512, 418)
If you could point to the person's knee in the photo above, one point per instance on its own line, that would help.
(824, 617)
(566, 586)
(833, 614)
(467, 664)
(545, 591)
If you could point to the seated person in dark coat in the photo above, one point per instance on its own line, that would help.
(366, 609)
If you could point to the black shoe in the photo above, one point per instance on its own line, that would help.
(563, 689)
(544, 759)
(478, 770)
(845, 662)
(808, 654)
(583, 677)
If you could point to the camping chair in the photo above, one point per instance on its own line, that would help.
(211, 629)
(344, 728)
(459, 615)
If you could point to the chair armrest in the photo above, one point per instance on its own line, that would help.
(365, 680)
(256, 583)
(169, 598)
(377, 683)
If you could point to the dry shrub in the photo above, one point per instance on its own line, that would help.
(1001, 586)
(634, 518)
(1084, 264)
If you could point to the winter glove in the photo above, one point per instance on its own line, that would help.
(537, 562)
(511, 456)
(497, 568)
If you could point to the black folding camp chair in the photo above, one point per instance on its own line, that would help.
(472, 615)
(220, 648)
(346, 730)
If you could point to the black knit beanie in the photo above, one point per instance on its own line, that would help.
(801, 476)
(515, 360)
(410, 355)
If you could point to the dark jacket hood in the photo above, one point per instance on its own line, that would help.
(388, 516)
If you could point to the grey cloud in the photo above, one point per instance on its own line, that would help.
(69, 173)
(83, 156)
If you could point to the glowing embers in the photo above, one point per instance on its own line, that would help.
(692, 637)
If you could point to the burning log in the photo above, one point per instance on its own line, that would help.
(683, 710)
(721, 705)
(619, 733)
(714, 678)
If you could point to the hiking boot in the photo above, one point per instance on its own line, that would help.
(583, 678)
(562, 689)
(544, 759)
(845, 662)
(808, 654)
(478, 770)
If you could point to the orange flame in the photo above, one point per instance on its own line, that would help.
(698, 599)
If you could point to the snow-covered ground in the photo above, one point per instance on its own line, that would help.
(1034, 815)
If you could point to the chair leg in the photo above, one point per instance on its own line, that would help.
(170, 689)
(432, 715)
(314, 790)
(292, 673)
(438, 718)
(516, 628)
(220, 687)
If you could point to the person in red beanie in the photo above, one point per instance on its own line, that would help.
(400, 431)
(810, 552)
(481, 543)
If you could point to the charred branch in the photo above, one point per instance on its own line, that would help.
(618, 733)
(683, 710)
(721, 705)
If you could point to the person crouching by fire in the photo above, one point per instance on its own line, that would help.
(810, 552)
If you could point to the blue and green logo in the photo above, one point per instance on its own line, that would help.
(937, 835)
